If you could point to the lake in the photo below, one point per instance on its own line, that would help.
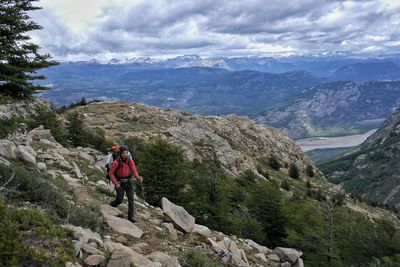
(333, 142)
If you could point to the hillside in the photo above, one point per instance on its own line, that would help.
(220, 169)
(335, 109)
(371, 170)
(371, 71)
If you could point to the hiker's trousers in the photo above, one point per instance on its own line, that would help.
(129, 189)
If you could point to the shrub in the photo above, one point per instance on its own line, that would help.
(196, 259)
(34, 187)
(274, 163)
(285, 185)
(294, 171)
(87, 217)
(9, 126)
(27, 236)
(310, 171)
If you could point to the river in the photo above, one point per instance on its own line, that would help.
(333, 142)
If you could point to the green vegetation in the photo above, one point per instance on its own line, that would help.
(294, 171)
(29, 237)
(196, 259)
(19, 58)
(48, 118)
(8, 126)
(311, 219)
(80, 135)
(87, 217)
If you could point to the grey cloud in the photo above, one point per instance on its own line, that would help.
(229, 28)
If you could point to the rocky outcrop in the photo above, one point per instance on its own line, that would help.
(237, 142)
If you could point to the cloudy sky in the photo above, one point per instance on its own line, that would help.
(103, 29)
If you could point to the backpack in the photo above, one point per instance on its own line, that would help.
(113, 155)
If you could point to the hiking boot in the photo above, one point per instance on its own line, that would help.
(132, 220)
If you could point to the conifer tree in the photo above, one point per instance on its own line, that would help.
(19, 58)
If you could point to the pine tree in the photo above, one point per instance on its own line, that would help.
(19, 58)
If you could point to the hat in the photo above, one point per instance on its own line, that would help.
(122, 149)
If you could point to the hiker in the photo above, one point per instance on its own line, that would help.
(120, 175)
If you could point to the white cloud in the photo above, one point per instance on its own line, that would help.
(104, 28)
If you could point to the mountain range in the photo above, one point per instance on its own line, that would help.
(236, 85)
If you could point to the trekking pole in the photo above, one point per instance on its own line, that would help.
(142, 185)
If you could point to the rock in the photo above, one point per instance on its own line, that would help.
(122, 254)
(26, 154)
(219, 237)
(77, 247)
(91, 250)
(171, 262)
(8, 149)
(178, 215)
(4, 162)
(288, 254)
(244, 257)
(120, 259)
(201, 230)
(123, 226)
(299, 263)
(172, 231)
(261, 249)
(236, 253)
(286, 264)
(85, 235)
(40, 133)
(42, 166)
(101, 183)
(70, 264)
(155, 221)
(273, 257)
(261, 256)
(216, 247)
(109, 210)
(158, 256)
(94, 260)
(76, 171)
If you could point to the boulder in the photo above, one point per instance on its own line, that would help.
(26, 154)
(8, 149)
(85, 235)
(42, 166)
(94, 260)
(288, 254)
(273, 257)
(178, 215)
(261, 256)
(40, 133)
(286, 264)
(91, 250)
(216, 247)
(158, 256)
(201, 230)
(76, 171)
(299, 263)
(259, 248)
(124, 226)
(119, 259)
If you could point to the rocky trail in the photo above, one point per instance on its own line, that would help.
(158, 238)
